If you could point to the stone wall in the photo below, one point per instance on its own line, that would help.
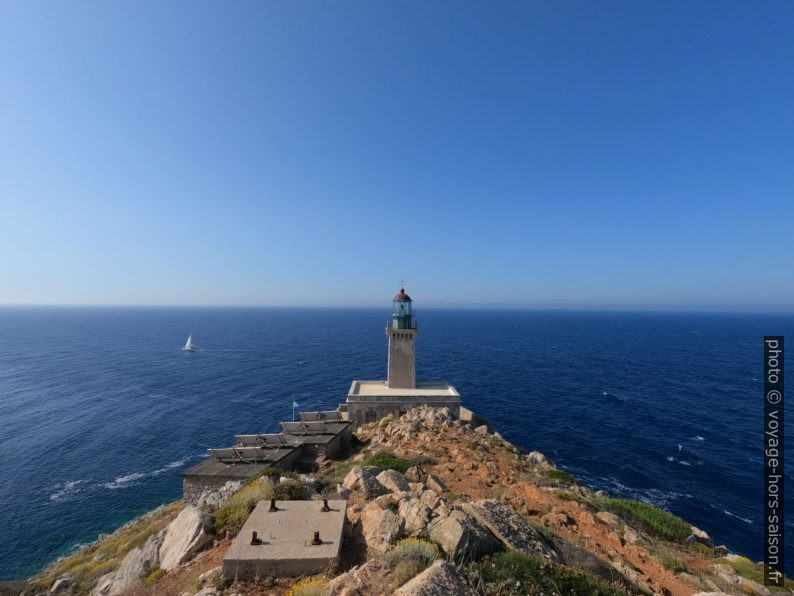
(372, 409)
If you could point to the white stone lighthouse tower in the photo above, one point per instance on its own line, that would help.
(368, 401)
(402, 333)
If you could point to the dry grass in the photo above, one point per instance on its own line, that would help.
(89, 564)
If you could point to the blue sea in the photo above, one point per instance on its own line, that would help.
(100, 409)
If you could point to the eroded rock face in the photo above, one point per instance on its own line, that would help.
(185, 536)
(510, 528)
(381, 527)
(461, 537)
(393, 481)
(138, 563)
(440, 579)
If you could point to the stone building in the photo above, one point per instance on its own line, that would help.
(368, 401)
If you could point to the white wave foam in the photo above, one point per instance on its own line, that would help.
(124, 481)
(69, 488)
(130, 479)
(684, 463)
(670, 458)
(744, 519)
(699, 438)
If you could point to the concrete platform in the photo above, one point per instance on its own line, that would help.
(368, 401)
(286, 535)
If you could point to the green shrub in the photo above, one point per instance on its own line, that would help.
(386, 461)
(653, 520)
(517, 574)
(409, 557)
(287, 491)
(557, 477)
(752, 571)
(152, 578)
(669, 561)
(311, 586)
(272, 473)
(334, 476)
(231, 516)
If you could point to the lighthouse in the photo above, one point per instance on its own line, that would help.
(402, 332)
(368, 401)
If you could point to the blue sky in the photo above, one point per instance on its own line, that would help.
(543, 154)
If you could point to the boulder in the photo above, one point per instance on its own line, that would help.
(368, 578)
(608, 518)
(209, 591)
(185, 536)
(62, 584)
(364, 479)
(414, 474)
(415, 515)
(435, 483)
(135, 565)
(482, 429)
(393, 481)
(510, 528)
(440, 579)
(698, 536)
(430, 498)
(461, 537)
(209, 574)
(380, 527)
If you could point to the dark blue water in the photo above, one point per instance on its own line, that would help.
(100, 409)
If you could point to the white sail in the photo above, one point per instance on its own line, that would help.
(189, 345)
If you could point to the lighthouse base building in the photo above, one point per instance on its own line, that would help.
(368, 401)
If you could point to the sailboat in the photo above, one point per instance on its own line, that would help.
(189, 345)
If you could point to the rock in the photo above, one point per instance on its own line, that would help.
(393, 481)
(380, 527)
(442, 509)
(435, 483)
(364, 479)
(510, 528)
(536, 458)
(721, 551)
(308, 479)
(608, 518)
(430, 498)
(414, 474)
(209, 591)
(136, 564)
(630, 535)
(482, 429)
(415, 515)
(208, 575)
(698, 536)
(185, 536)
(461, 537)
(212, 499)
(440, 579)
(368, 578)
(62, 584)
(556, 519)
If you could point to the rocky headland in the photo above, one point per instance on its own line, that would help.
(436, 506)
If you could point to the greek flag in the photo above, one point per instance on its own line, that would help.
(294, 404)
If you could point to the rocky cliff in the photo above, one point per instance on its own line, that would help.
(436, 506)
